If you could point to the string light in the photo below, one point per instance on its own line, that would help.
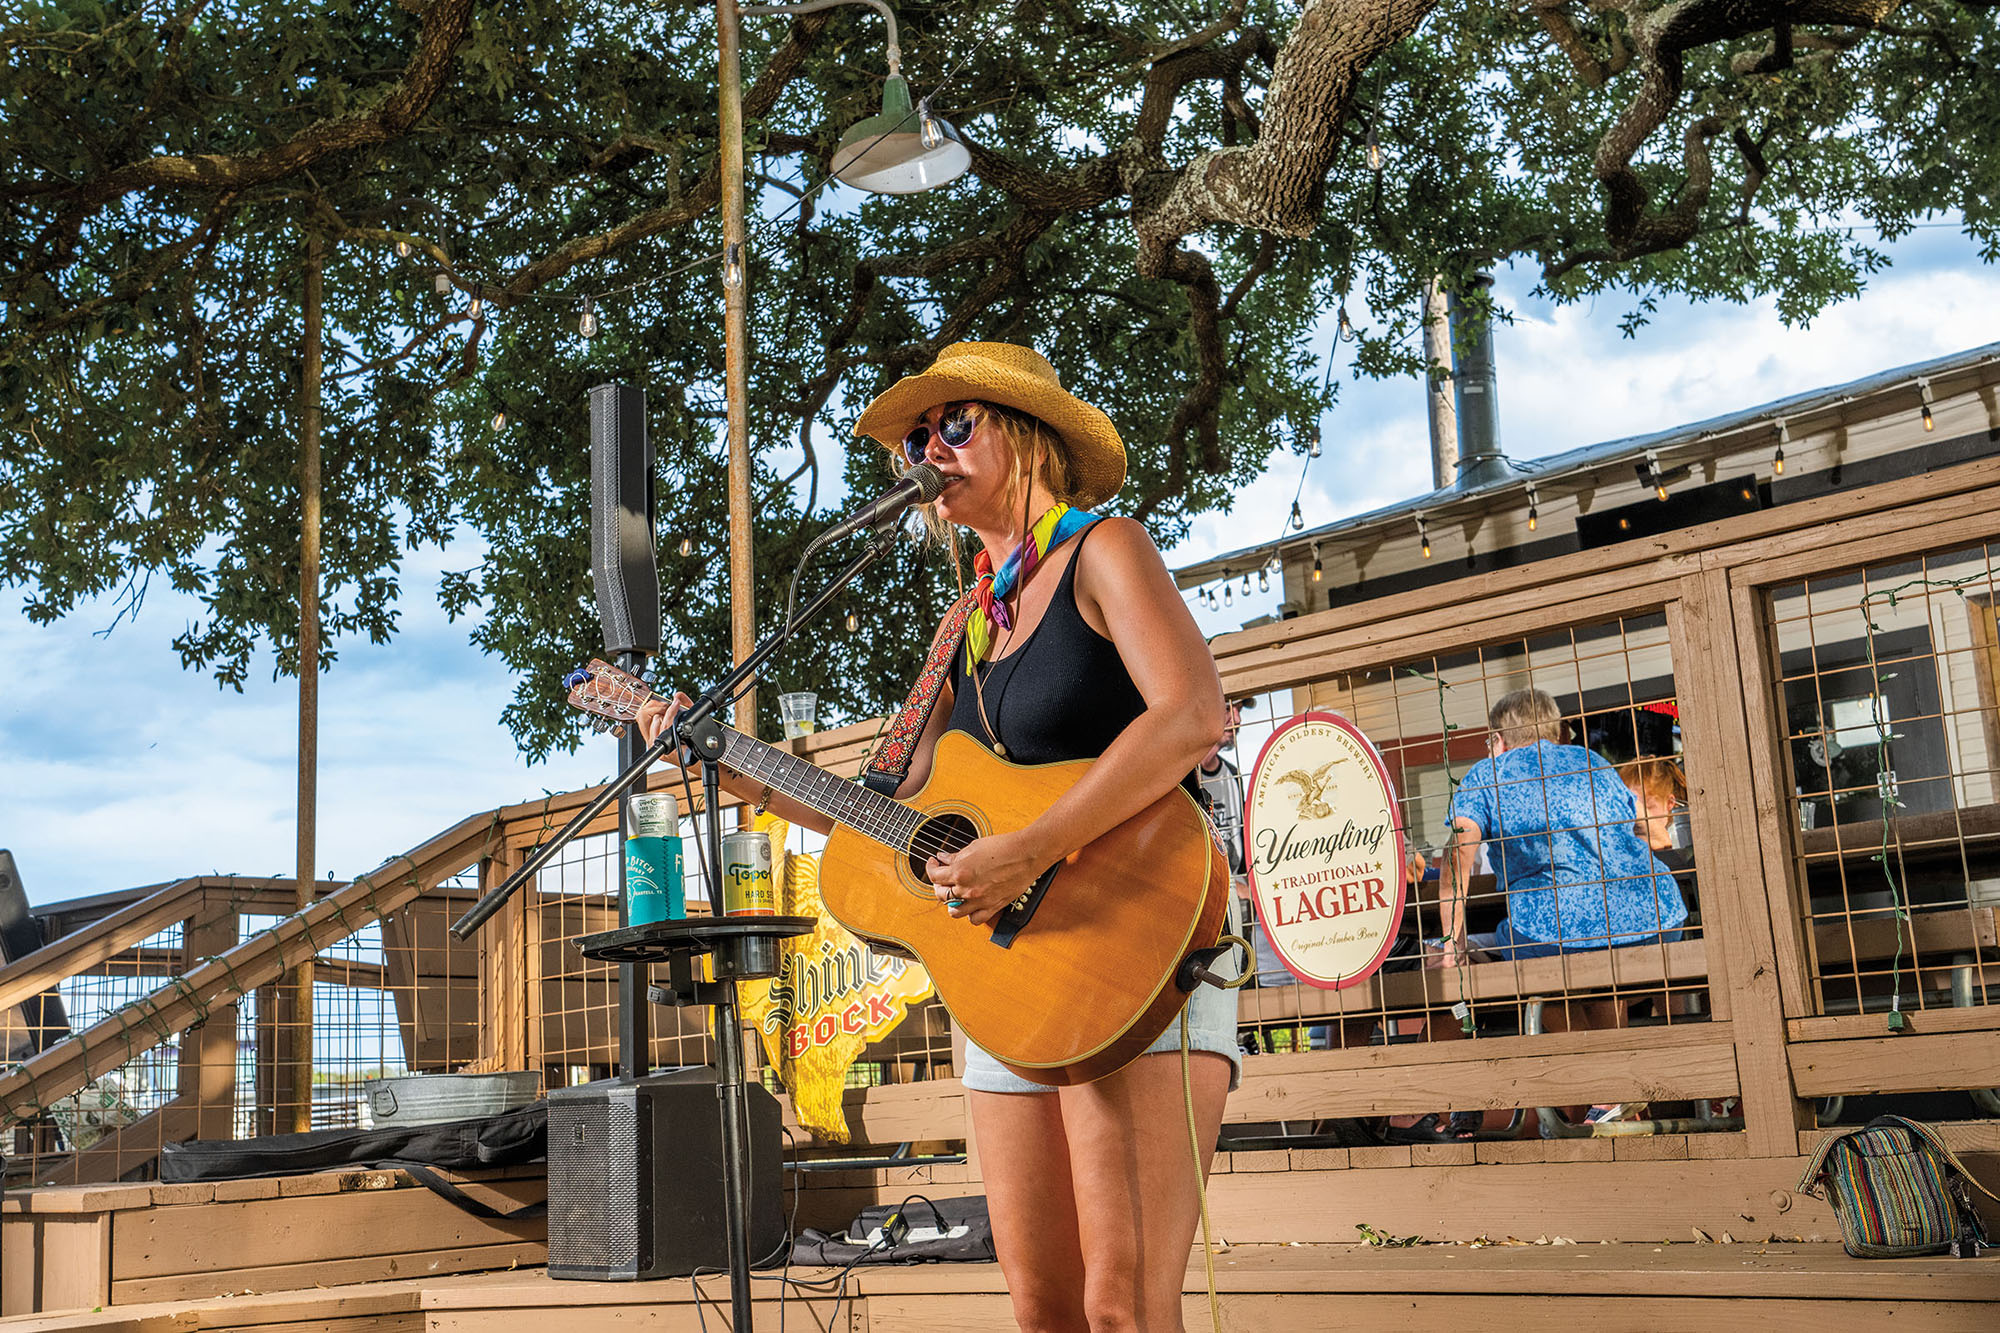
(1246, 583)
(1318, 573)
(586, 324)
(1346, 333)
(1227, 600)
(403, 247)
(927, 126)
(1298, 519)
(687, 546)
(1374, 150)
(477, 310)
(1263, 580)
(1653, 475)
(732, 267)
(1534, 511)
(1778, 458)
(1312, 441)
(499, 421)
(1924, 388)
(1424, 535)
(853, 622)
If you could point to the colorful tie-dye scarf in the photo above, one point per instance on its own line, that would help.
(990, 613)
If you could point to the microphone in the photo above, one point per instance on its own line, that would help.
(920, 485)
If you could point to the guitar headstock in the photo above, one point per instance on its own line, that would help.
(607, 691)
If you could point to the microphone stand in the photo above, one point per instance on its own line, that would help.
(697, 730)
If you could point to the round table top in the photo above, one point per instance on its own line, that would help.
(659, 941)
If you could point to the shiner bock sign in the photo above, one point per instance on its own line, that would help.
(1325, 850)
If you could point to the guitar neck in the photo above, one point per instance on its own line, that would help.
(869, 813)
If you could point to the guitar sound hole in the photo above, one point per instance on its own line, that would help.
(945, 833)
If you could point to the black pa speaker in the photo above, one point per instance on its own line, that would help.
(635, 1178)
(623, 563)
(39, 1021)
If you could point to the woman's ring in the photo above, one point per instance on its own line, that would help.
(953, 904)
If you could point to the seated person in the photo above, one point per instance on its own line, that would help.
(1561, 823)
(1659, 787)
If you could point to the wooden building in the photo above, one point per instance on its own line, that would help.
(1823, 638)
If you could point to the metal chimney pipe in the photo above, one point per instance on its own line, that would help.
(1479, 457)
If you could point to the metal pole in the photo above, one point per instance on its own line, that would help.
(296, 1117)
(736, 354)
(635, 1015)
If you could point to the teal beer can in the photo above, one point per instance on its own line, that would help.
(654, 890)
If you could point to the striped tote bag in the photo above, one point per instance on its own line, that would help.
(1896, 1191)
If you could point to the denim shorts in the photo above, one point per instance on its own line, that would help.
(1507, 943)
(1211, 1016)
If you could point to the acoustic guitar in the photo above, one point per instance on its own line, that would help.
(1068, 983)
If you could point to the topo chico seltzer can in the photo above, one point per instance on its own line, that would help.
(748, 888)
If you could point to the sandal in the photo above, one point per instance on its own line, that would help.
(1464, 1126)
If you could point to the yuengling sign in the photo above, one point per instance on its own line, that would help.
(1325, 850)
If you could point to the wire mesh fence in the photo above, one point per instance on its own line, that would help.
(1558, 850)
(1887, 691)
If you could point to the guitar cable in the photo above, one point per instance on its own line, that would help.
(1194, 1131)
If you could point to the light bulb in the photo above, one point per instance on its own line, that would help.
(1784, 438)
(403, 248)
(586, 320)
(732, 267)
(1374, 149)
(853, 622)
(499, 421)
(1534, 519)
(1424, 536)
(1263, 580)
(1318, 573)
(687, 546)
(1312, 443)
(1659, 488)
(1246, 583)
(1930, 422)
(1227, 600)
(1778, 461)
(1346, 324)
(1298, 519)
(477, 310)
(928, 131)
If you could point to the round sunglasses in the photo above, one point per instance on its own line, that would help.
(954, 428)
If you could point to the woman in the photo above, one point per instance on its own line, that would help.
(1081, 648)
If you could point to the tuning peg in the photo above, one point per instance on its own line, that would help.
(619, 731)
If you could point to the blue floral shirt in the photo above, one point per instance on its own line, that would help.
(1559, 821)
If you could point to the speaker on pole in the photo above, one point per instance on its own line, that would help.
(623, 563)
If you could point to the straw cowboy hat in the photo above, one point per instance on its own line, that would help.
(1016, 377)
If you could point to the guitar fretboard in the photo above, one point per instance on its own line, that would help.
(871, 814)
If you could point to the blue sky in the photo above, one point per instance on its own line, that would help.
(118, 768)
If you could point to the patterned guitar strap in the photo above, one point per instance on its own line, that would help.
(891, 764)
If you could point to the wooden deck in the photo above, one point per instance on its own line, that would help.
(1773, 1287)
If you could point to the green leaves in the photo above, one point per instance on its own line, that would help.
(150, 337)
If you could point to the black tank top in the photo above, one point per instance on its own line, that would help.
(1064, 694)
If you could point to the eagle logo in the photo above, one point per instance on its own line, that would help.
(1312, 788)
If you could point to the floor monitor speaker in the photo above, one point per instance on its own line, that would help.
(636, 1182)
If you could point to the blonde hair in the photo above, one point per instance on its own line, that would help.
(1526, 716)
(1038, 454)
(1656, 777)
